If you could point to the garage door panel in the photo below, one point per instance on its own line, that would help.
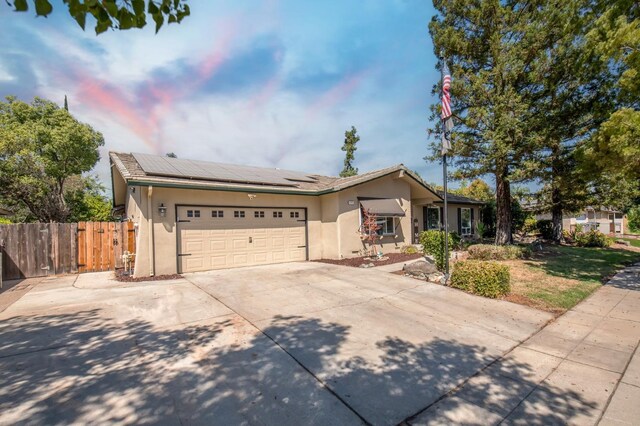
(240, 259)
(260, 257)
(219, 240)
(218, 261)
(194, 263)
(217, 244)
(259, 242)
(297, 254)
(193, 246)
(239, 243)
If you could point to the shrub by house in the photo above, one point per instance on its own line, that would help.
(489, 279)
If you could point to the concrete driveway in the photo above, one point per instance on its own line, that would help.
(302, 343)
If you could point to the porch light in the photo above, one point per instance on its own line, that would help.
(162, 210)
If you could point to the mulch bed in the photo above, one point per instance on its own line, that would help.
(124, 278)
(357, 261)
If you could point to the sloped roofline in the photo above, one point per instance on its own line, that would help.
(337, 185)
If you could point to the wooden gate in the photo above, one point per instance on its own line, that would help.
(41, 249)
(101, 245)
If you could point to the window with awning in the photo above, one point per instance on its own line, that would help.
(383, 207)
(386, 210)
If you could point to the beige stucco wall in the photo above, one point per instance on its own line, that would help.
(164, 228)
(333, 219)
(333, 223)
(351, 245)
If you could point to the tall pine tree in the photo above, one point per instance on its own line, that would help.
(569, 94)
(351, 138)
(489, 53)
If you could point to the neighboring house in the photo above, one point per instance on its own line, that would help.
(604, 219)
(195, 215)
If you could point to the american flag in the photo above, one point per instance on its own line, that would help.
(447, 121)
(446, 97)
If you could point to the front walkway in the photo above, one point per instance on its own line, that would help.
(583, 368)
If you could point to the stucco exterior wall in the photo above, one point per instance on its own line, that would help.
(164, 228)
(333, 222)
(351, 245)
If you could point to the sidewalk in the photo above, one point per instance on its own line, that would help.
(583, 368)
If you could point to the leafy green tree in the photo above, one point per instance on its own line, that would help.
(87, 201)
(351, 138)
(633, 218)
(41, 147)
(570, 96)
(478, 189)
(489, 46)
(613, 153)
(113, 14)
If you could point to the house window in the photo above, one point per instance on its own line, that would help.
(258, 214)
(386, 225)
(193, 213)
(217, 213)
(294, 214)
(189, 213)
(277, 214)
(465, 221)
(581, 217)
(238, 213)
(433, 218)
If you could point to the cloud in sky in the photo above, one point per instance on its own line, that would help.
(264, 83)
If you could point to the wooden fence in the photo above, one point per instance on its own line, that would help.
(41, 249)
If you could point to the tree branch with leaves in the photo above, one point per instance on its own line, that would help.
(112, 14)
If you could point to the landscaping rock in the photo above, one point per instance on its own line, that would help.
(420, 268)
(367, 265)
(623, 242)
(436, 277)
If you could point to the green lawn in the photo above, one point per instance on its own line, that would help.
(635, 243)
(560, 277)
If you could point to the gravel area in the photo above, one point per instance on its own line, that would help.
(122, 277)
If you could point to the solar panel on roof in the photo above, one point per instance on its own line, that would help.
(153, 164)
(177, 167)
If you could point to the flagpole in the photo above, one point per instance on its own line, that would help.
(444, 180)
(446, 213)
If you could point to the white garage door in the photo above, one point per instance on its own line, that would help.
(227, 237)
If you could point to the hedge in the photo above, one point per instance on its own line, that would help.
(494, 252)
(488, 279)
(592, 238)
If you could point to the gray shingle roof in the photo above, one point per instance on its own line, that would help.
(459, 199)
(131, 170)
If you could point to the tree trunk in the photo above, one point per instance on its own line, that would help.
(556, 215)
(503, 210)
(556, 196)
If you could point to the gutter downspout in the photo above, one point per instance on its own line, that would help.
(152, 257)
